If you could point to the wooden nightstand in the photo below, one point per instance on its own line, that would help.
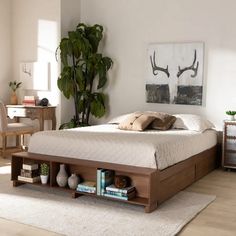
(33, 112)
(229, 145)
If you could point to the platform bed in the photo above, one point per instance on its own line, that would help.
(152, 186)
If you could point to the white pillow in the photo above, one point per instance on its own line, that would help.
(119, 119)
(192, 122)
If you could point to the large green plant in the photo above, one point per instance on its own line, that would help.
(82, 65)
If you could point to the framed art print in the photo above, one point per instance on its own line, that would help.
(175, 73)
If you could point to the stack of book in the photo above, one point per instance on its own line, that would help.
(87, 187)
(120, 193)
(104, 179)
(29, 101)
(29, 173)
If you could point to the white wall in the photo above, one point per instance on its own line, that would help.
(5, 49)
(70, 17)
(32, 41)
(131, 25)
(36, 35)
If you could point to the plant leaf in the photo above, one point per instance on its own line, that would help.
(69, 125)
(98, 105)
(65, 82)
(80, 78)
(107, 62)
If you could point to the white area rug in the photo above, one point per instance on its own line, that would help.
(56, 211)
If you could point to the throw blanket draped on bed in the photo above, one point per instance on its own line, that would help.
(106, 143)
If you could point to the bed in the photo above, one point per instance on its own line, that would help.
(160, 163)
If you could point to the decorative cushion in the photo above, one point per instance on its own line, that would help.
(136, 122)
(19, 127)
(163, 121)
(192, 122)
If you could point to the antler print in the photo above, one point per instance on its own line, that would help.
(156, 68)
(194, 69)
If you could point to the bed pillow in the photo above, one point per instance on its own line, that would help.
(163, 121)
(192, 122)
(136, 122)
(119, 119)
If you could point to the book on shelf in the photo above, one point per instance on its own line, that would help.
(130, 194)
(107, 178)
(90, 184)
(99, 172)
(30, 166)
(29, 173)
(126, 190)
(114, 195)
(86, 190)
(29, 180)
(87, 186)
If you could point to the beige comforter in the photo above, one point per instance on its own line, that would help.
(106, 143)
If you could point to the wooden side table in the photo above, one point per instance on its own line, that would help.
(229, 145)
(33, 112)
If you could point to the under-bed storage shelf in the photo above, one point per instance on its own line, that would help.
(87, 170)
(152, 185)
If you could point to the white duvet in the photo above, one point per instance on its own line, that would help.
(106, 143)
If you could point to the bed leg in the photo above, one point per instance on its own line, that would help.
(76, 195)
(150, 208)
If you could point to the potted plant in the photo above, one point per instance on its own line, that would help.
(14, 86)
(231, 114)
(44, 173)
(84, 73)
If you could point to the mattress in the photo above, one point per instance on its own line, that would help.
(106, 143)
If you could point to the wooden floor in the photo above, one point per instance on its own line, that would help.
(218, 219)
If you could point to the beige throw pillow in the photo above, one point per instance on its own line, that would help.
(163, 121)
(136, 122)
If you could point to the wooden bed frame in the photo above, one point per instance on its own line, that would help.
(152, 185)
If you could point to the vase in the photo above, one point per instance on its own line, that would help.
(73, 181)
(14, 99)
(231, 117)
(44, 179)
(62, 176)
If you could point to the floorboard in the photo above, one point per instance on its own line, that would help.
(219, 218)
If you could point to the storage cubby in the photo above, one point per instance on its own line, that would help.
(84, 172)
(54, 169)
